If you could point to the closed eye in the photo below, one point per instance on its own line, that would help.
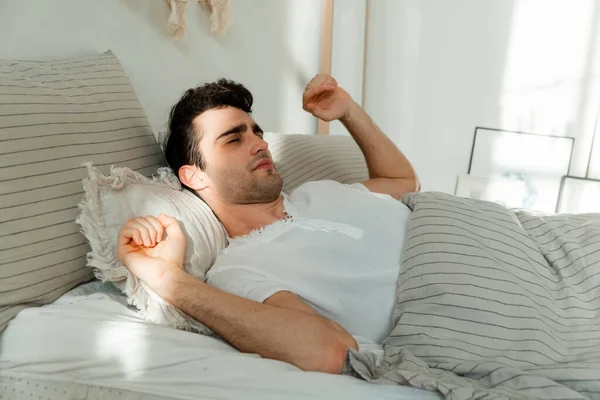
(234, 140)
(257, 131)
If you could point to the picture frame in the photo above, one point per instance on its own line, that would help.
(579, 195)
(507, 192)
(539, 161)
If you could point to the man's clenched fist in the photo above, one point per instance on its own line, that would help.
(151, 247)
(324, 99)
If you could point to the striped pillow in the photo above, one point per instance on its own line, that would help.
(303, 158)
(53, 116)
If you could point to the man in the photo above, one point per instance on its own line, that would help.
(303, 272)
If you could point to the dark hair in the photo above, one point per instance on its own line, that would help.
(181, 146)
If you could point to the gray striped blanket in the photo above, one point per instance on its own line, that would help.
(494, 304)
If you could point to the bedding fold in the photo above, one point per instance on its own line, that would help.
(494, 303)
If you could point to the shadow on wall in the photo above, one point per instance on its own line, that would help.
(271, 47)
(433, 69)
(154, 14)
(464, 48)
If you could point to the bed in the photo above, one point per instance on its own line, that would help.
(64, 333)
(90, 344)
(491, 303)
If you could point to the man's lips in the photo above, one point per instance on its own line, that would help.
(265, 163)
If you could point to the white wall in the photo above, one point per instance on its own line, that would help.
(436, 69)
(272, 47)
(347, 55)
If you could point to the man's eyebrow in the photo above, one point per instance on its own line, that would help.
(256, 128)
(236, 129)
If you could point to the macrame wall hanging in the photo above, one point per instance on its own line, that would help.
(219, 17)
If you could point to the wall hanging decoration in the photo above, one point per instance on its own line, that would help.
(538, 162)
(220, 17)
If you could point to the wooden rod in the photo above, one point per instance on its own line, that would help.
(326, 46)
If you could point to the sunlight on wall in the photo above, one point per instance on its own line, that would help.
(125, 343)
(594, 165)
(515, 153)
(546, 68)
(588, 200)
(580, 196)
(551, 85)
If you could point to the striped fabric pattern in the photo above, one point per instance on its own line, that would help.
(494, 303)
(303, 158)
(53, 116)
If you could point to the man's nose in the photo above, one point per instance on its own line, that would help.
(258, 145)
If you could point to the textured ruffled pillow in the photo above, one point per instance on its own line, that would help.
(112, 199)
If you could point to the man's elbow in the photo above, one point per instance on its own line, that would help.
(332, 361)
(404, 186)
(417, 184)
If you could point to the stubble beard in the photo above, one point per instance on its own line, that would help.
(240, 187)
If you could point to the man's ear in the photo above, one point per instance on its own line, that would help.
(193, 177)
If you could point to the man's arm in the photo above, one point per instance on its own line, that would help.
(282, 328)
(390, 171)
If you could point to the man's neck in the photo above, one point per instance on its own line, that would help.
(241, 219)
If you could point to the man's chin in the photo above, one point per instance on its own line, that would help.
(268, 171)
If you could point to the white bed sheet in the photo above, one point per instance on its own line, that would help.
(94, 339)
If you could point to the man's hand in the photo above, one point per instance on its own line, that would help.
(324, 99)
(390, 172)
(143, 249)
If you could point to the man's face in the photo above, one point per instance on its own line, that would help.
(239, 168)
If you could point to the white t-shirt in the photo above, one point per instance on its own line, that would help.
(339, 251)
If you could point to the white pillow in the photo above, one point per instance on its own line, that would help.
(112, 199)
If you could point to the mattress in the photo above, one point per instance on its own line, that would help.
(90, 344)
